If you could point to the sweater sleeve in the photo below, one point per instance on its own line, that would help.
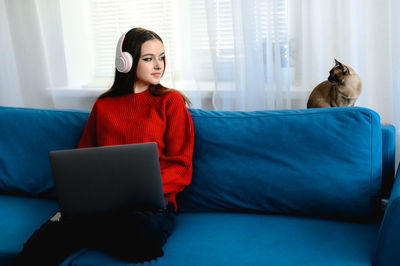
(88, 138)
(176, 163)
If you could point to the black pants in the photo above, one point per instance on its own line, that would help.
(130, 236)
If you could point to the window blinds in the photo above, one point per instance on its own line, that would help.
(111, 18)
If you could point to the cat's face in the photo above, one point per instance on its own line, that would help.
(338, 73)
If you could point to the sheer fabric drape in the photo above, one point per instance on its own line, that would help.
(32, 56)
(243, 52)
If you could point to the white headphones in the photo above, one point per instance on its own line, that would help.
(123, 60)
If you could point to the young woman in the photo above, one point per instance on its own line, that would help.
(136, 109)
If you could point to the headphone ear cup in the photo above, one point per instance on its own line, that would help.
(123, 62)
(128, 62)
(119, 63)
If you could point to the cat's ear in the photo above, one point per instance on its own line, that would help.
(345, 70)
(340, 65)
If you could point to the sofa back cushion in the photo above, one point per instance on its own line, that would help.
(315, 162)
(26, 137)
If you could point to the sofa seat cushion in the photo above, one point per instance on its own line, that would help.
(19, 218)
(258, 239)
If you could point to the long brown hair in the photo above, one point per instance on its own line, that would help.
(124, 82)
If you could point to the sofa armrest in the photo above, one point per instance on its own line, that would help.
(388, 248)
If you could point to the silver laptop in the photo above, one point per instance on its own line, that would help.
(107, 179)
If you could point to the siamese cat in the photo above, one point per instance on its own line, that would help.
(342, 88)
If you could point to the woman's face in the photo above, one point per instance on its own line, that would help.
(151, 65)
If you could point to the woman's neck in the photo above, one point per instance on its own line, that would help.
(138, 88)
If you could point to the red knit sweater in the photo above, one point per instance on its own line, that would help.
(139, 118)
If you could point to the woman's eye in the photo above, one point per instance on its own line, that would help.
(162, 58)
(147, 59)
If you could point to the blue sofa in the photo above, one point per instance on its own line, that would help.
(290, 187)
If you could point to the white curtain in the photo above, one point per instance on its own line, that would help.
(362, 34)
(32, 56)
(238, 49)
(8, 71)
